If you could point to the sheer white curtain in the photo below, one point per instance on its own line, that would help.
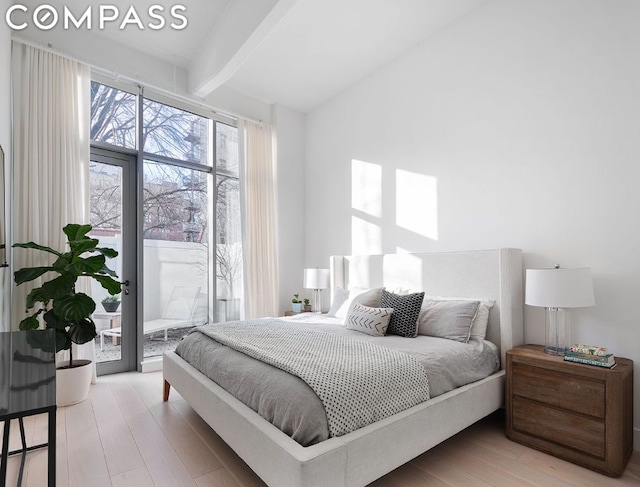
(259, 222)
(51, 157)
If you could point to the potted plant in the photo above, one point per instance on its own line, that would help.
(62, 308)
(296, 304)
(307, 305)
(111, 303)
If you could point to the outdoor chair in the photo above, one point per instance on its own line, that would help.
(178, 312)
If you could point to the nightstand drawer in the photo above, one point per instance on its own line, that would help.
(560, 427)
(561, 390)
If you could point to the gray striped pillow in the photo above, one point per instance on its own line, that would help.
(372, 321)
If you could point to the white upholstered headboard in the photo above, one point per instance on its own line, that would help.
(493, 274)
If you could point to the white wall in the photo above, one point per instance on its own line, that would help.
(517, 126)
(5, 142)
(289, 126)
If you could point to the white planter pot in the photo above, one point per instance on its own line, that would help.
(72, 385)
(296, 307)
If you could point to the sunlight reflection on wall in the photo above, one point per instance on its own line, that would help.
(417, 203)
(366, 237)
(366, 188)
(366, 197)
(414, 203)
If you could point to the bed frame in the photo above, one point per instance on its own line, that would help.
(360, 457)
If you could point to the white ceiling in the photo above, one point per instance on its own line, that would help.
(175, 46)
(324, 46)
(298, 53)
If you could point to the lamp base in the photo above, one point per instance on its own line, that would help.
(317, 301)
(557, 327)
(555, 351)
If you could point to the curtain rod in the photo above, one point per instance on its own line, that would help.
(136, 82)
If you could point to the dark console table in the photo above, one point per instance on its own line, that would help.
(27, 387)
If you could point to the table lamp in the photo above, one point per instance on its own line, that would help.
(557, 290)
(316, 279)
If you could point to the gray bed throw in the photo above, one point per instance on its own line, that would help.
(358, 382)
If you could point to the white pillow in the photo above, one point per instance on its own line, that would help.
(368, 297)
(480, 322)
(339, 297)
(447, 318)
(372, 321)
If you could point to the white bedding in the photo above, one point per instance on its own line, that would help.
(290, 404)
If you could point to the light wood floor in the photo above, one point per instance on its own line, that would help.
(124, 435)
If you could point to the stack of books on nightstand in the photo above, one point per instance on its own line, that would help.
(590, 355)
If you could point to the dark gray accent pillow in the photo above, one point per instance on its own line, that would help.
(406, 308)
(447, 319)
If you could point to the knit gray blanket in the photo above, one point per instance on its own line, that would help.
(358, 383)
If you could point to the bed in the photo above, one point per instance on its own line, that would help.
(360, 457)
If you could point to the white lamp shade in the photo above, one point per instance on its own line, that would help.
(316, 278)
(559, 288)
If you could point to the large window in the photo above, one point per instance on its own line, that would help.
(175, 201)
(229, 283)
(175, 133)
(189, 200)
(113, 116)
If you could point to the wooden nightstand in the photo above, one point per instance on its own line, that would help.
(581, 413)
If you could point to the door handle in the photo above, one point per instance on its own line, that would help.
(126, 286)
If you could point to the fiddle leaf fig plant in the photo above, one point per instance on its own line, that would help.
(62, 308)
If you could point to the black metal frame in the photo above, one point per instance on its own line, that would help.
(51, 444)
(27, 388)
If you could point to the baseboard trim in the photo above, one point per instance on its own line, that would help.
(153, 364)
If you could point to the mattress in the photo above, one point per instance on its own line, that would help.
(291, 405)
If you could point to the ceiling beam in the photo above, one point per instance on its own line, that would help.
(244, 26)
